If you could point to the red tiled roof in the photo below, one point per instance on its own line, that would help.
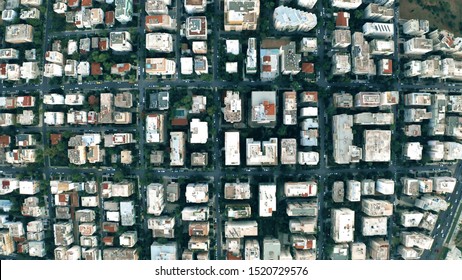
(122, 67)
(270, 108)
(389, 70)
(3, 69)
(108, 240)
(102, 44)
(73, 3)
(75, 199)
(55, 138)
(312, 94)
(180, 122)
(62, 198)
(87, 3)
(230, 256)
(96, 69)
(266, 58)
(308, 67)
(110, 228)
(27, 101)
(266, 68)
(109, 18)
(5, 140)
(341, 21)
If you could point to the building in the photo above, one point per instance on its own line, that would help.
(267, 199)
(358, 251)
(308, 4)
(19, 33)
(157, 7)
(238, 211)
(160, 22)
(353, 191)
(177, 148)
(195, 213)
(240, 229)
(198, 132)
(308, 158)
(63, 233)
(344, 151)
(306, 225)
(123, 11)
(119, 254)
(385, 67)
(303, 208)
(451, 69)
(262, 153)
(197, 193)
(290, 108)
(410, 218)
(159, 42)
(20, 156)
(196, 28)
(271, 248)
(201, 65)
(263, 110)
(377, 145)
(251, 250)
(160, 66)
(120, 41)
(288, 151)
(251, 58)
(112, 140)
(232, 112)
(378, 30)
(376, 208)
(195, 6)
(199, 47)
(341, 64)
(452, 151)
(159, 100)
(6, 243)
(378, 13)
(385, 186)
(155, 199)
(290, 60)
(361, 62)
(162, 227)
(444, 184)
(166, 251)
(413, 151)
(155, 128)
(128, 239)
(372, 226)
(418, 46)
(445, 41)
(127, 213)
(378, 249)
(291, 20)
(300, 189)
(241, 14)
(382, 47)
(343, 225)
(269, 64)
(341, 38)
(9, 53)
(415, 27)
(374, 118)
(232, 148)
(237, 191)
(417, 99)
(346, 4)
(416, 239)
